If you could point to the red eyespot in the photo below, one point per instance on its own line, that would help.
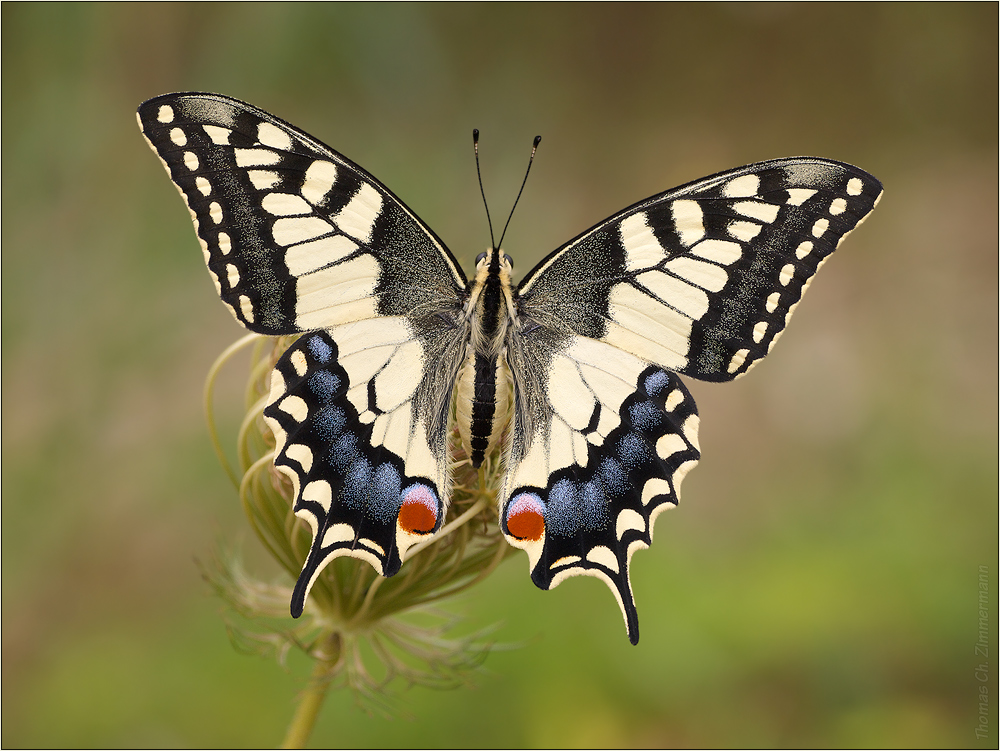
(418, 511)
(525, 517)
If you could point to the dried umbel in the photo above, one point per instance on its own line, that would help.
(362, 630)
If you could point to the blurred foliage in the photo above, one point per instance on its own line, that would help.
(818, 584)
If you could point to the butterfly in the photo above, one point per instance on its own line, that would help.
(572, 374)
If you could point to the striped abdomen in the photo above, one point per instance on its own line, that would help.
(483, 405)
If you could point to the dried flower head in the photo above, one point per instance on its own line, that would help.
(364, 632)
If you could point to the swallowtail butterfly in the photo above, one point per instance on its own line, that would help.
(576, 367)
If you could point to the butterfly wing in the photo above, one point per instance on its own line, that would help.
(699, 280)
(359, 423)
(602, 441)
(299, 238)
(702, 279)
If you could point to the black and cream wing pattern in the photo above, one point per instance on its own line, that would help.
(298, 238)
(576, 368)
(700, 280)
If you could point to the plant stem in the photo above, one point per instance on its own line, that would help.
(221, 360)
(311, 698)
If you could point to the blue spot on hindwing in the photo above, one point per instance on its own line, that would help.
(562, 511)
(633, 450)
(344, 452)
(645, 416)
(385, 494)
(613, 477)
(357, 482)
(594, 506)
(329, 422)
(319, 348)
(573, 506)
(656, 382)
(375, 492)
(324, 385)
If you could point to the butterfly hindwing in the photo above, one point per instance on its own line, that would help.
(594, 461)
(368, 476)
(702, 279)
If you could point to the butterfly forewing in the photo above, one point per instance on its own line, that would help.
(702, 279)
(297, 236)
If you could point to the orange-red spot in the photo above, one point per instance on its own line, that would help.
(526, 523)
(417, 517)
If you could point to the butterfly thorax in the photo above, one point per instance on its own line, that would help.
(483, 399)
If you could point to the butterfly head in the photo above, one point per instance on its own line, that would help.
(494, 261)
(490, 302)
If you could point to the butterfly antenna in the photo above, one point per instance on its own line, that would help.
(479, 174)
(534, 146)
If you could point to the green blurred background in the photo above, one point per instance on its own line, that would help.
(818, 584)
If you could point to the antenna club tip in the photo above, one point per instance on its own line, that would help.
(538, 140)
(475, 135)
